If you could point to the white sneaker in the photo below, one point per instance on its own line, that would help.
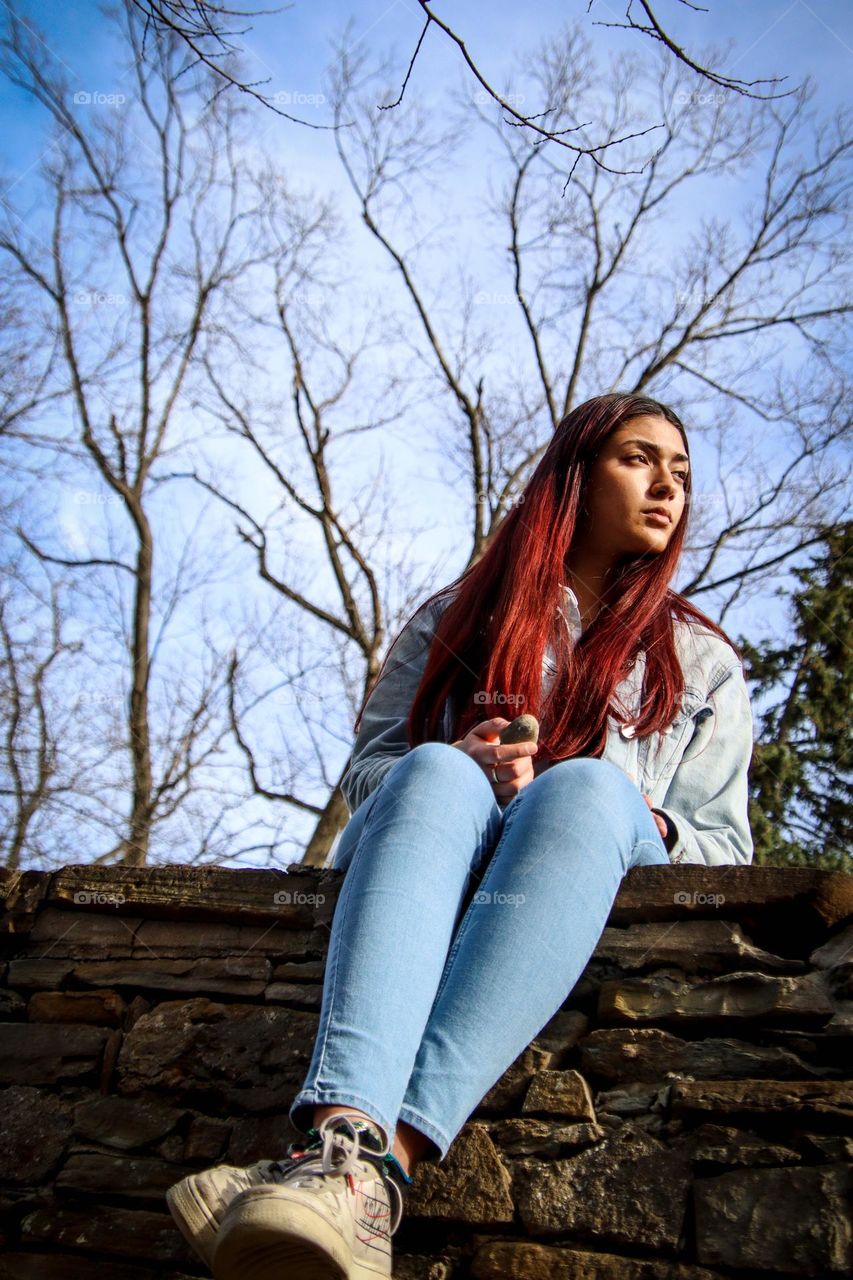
(199, 1201)
(329, 1214)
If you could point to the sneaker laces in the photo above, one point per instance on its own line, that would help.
(317, 1159)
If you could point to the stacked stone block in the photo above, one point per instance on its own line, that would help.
(686, 1115)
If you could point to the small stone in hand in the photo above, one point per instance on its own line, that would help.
(524, 728)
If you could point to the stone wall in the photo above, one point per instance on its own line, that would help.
(687, 1114)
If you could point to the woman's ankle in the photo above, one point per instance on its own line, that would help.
(410, 1146)
(321, 1113)
(403, 1158)
(337, 1109)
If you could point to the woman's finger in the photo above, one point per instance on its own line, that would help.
(489, 728)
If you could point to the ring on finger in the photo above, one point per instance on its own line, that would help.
(495, 777)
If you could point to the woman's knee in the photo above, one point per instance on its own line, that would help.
(589, 773)
(443, 791)
(592, 784)
(449, 765)
(447, 781)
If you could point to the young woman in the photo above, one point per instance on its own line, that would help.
(479, 876)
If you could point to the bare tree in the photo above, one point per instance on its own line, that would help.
(589, 296)
(208, 29)
(151, 214)
(335, 604)
(39, 769)
(743, 321)
(748, 318)
(205, 29)
(27, 372)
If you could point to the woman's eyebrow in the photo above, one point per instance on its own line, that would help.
(657, 451)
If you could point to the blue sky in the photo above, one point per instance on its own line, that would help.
(291, 50)
(771, 38)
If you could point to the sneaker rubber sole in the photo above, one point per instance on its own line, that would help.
(192, 1218)
(199, 1201)
(271, 1238)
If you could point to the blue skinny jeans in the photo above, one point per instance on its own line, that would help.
(425, 1007)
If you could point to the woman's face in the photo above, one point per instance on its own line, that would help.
(628, 479)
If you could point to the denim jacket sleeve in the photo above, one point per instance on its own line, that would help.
(381, 738)
(707, 798)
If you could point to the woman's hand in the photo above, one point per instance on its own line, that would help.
(512, 761)
(660, 821)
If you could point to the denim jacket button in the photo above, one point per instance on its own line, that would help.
(667, 728)
(627, 730)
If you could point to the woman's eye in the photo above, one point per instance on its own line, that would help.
(682, 475)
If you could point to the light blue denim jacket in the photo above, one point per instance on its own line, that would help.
(695, 770)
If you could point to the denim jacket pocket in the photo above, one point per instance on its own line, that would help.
(661, 752)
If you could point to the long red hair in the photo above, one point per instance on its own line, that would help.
(487, 652)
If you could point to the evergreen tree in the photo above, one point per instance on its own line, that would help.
(801, 797)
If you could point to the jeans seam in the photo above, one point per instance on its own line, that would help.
(457, 941)
(333, 987)
(369, 801)
(466, 919)
(423, 1123)
(345, 896)
(654, 844)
